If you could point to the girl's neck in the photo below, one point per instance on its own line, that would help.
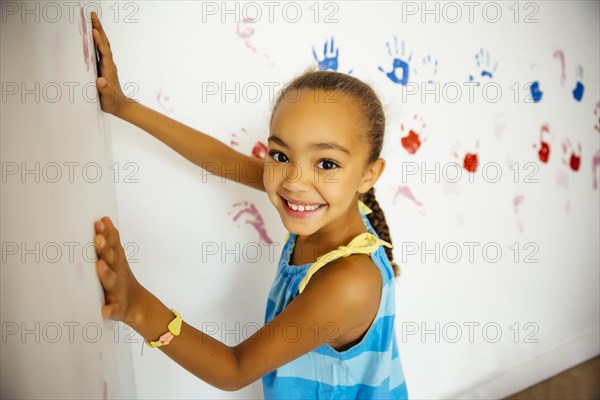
(328, 238)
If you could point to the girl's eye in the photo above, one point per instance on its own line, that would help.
(329, 162)
(274, 153)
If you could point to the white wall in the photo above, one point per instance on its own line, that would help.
(56, 181)
(170, 55)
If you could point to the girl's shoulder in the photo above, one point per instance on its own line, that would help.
(357, 272)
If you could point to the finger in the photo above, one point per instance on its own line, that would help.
(108, 223)
(103, 46)
(98, 25)
(110, 254)
(104, 87)
(107, 277)
(99, 243)
(110, 310)
(98, 226)
(114, 251)
(110, 229)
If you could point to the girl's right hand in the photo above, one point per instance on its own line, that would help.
(122, 291)
(112, 97)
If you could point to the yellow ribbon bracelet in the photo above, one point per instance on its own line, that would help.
(174, 330)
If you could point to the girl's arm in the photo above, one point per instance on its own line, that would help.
(340, 301)
(200, 148)
(203, 150)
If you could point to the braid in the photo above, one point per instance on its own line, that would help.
(377, 219)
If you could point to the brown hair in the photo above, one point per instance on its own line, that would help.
(371, 107)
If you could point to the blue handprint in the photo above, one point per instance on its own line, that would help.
(578, 91)
(398, 63)
(535, 89)
(431, 64)
(330, 60)
(536, 92)
(483, 63)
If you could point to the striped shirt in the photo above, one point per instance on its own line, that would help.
(371, 369)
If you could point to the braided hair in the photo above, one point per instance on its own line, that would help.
(371, 107)
(377, 219)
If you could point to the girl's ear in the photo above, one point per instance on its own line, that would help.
(371, 175)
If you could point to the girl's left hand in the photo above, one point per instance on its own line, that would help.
(121, 289)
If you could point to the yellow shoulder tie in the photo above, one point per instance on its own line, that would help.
(365, 243)
(365, 209)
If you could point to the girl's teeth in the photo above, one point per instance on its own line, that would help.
(301, 207)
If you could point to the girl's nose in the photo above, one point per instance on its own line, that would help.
(295, 178)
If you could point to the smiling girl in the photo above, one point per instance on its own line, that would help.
(329, 321)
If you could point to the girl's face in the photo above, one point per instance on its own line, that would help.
(316, 158)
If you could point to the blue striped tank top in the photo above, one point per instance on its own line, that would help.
(371, 369)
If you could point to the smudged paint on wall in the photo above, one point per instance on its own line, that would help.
(562, 181)
(499, 126)
(245, 30)
(88, 55)
(404, 191)
(255, 219)
(595, 168)
(561, 57)
(163, 101)
(597, 117)
(517, 201)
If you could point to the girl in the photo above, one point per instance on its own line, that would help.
(329, 321)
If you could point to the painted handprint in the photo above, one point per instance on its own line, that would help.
(255, 219)
(470, 160)
(259, 150)
(400, 64)
(484, 66)
(245, 31)
(544, 145)
(428, 69)
(330, 59)
(535, 87)
(560, 55)
(571, 157)
(412, 141)
(578, 90)
(536, 91)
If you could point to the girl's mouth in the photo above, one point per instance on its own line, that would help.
(300, 212)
